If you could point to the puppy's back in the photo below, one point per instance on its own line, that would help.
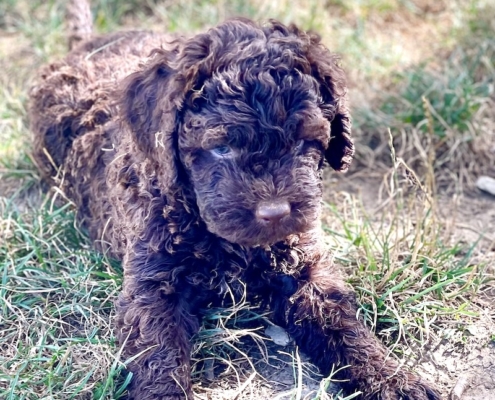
(73, 115)
(78, 93)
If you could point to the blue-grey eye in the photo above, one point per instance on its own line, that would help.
(222, 151)
(299, 145)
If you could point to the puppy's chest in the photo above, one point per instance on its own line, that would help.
(256, 271)
(221, 263)
(266, 274)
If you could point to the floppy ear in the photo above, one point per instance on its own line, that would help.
(152, 101)
(333, 90)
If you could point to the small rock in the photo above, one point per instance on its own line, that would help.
(486, 184)
(473, 330)
(486, 362)
(460, 387)
(278, 335)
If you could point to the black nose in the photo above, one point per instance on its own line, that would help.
(272, 211)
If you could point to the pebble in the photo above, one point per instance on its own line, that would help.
(487, 184)
(278, 334)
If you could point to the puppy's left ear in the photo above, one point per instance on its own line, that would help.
(333, 90)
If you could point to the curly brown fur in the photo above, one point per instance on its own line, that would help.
(198, 161)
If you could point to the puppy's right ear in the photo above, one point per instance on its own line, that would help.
(155, 95)
(149, 95)
(151, 102)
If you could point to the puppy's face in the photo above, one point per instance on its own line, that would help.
(251, 112)
(253, 141)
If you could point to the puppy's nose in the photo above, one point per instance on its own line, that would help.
(272, 211)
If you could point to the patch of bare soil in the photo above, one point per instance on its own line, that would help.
(464, 366)
(467, 365)
(28, 193)
(472, 217)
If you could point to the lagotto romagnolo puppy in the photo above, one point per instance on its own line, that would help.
(197, 162)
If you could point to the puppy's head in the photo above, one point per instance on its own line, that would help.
(249, 114)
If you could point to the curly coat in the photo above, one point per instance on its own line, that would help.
(197, 162)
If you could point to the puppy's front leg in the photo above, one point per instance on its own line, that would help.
(155, 326)
(321, 317)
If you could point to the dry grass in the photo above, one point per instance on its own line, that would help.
(441, 116)
(420, 280)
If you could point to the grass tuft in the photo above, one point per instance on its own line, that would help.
(448, 107)
(56, 297)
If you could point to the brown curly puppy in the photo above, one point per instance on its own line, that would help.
(198, 163)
